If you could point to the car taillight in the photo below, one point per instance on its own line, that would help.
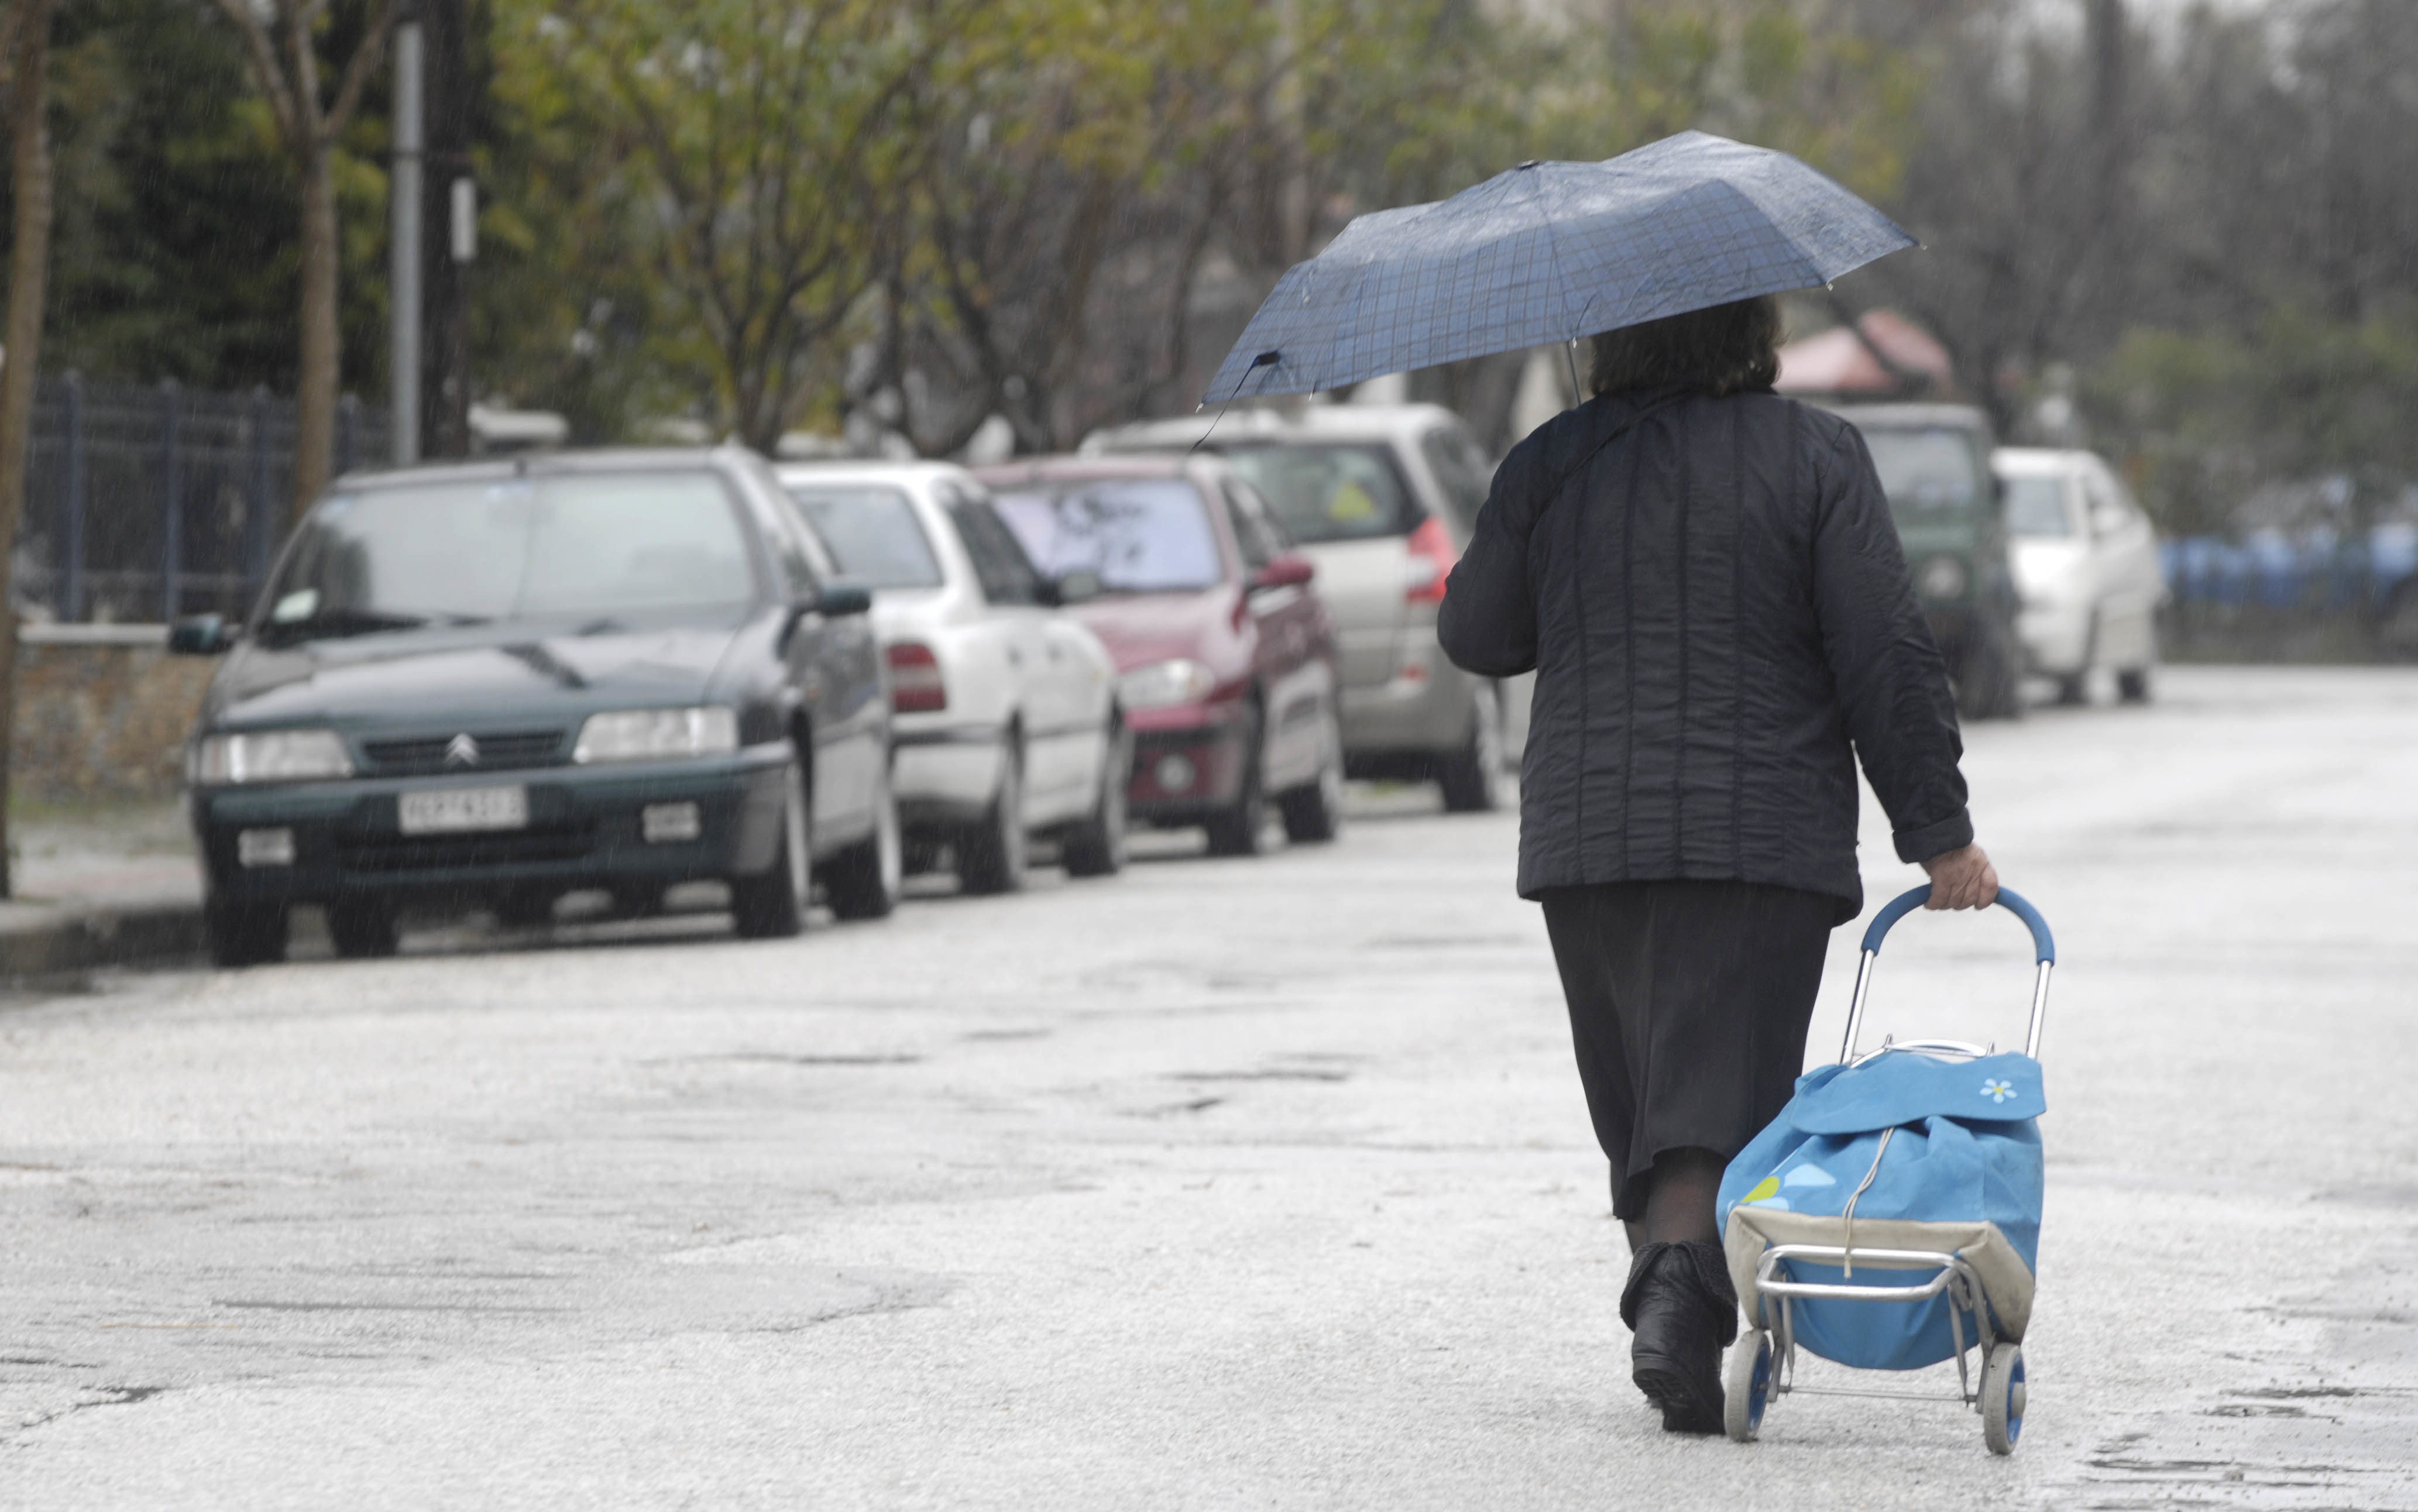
(1430, 562)
(916, 686)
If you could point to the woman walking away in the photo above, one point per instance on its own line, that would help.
(1706, 581)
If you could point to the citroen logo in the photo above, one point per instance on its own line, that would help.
(462, 751)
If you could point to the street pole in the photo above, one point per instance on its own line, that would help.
(453, 98)
(403, 201)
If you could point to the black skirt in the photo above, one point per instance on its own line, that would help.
(1689, 1003)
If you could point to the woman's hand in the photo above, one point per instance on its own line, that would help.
(1962, 879)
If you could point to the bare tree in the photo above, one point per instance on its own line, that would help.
(281, 40)
(25, 51)
(2018, 188)
(769, 143)
(1066, 196)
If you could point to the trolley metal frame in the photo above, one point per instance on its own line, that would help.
(1950, 1273)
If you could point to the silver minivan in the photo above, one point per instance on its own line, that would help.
(1382, 499)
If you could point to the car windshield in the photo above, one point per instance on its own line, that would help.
(2036, 506)
(519, 548)
(872, 532)
(1144, 535)
(1329, 492)
(1926, 471)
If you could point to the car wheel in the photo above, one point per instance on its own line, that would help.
(2132, 685)
(1472, 777)
(1240, 828)
(2396, 628)
(992, 850)
(2073, 691)
(862, 881)
(772, 905)
(362, 928)
(1096, 846)
(1989, 678)
(1314, 814)
(244, 934)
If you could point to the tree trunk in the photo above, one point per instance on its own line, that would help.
(314, 401)
(29, 265)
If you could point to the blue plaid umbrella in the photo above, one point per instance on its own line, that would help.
(1550, 252)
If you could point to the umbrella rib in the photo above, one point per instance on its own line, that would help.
(1569, 337)
(1569, 333)
(1369, 272)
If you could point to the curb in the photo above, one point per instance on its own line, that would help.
(71, 940)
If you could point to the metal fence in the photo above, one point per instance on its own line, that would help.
(147, 502)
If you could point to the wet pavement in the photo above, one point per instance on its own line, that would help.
(1224, 1183)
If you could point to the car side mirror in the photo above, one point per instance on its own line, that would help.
(1081, 585)
(200, 634)
(1288, 571)
(841, 600)
(834, 600)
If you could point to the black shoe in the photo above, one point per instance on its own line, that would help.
(1681, 1306)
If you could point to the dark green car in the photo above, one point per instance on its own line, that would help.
(1934, 462)
(492, 684)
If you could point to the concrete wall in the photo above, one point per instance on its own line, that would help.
(103, 712)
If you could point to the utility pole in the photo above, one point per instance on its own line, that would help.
(404, 209)
(450, 194)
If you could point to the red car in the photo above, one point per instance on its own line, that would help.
(1225, 656)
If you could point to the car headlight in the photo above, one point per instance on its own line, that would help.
(1162, 684)
(654, 734)
(271, 756)
(1940, 577)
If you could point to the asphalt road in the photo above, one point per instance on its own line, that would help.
(1223, 1183)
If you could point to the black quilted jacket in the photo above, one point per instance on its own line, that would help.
(1719, 615)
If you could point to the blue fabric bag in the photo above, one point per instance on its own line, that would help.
(1903, 1139)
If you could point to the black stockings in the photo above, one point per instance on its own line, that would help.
(1679, 1204)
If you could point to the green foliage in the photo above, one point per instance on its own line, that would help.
(176, 253)
(1759, 70)
(750, 152)
(1067, 142)
(2207, 417)
(1404, 100)
(761, 213)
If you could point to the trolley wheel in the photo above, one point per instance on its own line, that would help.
(2002, 1398)
(1750, 1385)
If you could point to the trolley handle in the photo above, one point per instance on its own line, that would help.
(2044, 943)
(2043, 956)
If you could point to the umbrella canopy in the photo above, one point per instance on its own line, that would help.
(1550, 252)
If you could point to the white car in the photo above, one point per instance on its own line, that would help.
(1007, 720)
(2086, 569)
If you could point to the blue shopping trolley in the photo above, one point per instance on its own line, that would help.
(1889, 1218)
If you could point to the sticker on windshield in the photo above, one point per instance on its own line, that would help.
(298, 604)
(1350, 502)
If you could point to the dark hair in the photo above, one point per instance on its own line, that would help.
(1723, 349)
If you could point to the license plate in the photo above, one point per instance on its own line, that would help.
(453, 810)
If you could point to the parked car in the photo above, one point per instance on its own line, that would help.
(1007, 723)
(503, 681)
(1225, 656)
(2086, 571)
(1382, 499)
(1934, 462)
